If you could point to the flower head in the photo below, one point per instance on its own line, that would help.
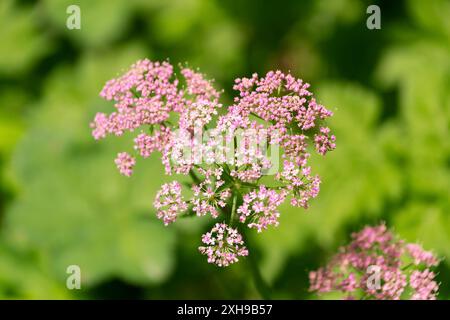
(169, 202)
(423, 284)
(223, 245)
(421, 256)
(324, 142)
(274, 117)
(375, 253)
(260, 208)
(300, 182)
(209, 195)
(125, 163)
(147, 144)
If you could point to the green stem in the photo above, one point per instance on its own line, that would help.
(260, 284)
(233, 209)
(407, 266)
(194, 177)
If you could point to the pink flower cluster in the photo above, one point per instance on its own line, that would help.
(423, 284)
(169, 202)
(420, 256)
(209, 194)
(376, 265)
(147, 95)
(286, 106)
(125, 163)
(169, 110)
(147, 144)
(260, 208)
(324, 142)
(223, 245)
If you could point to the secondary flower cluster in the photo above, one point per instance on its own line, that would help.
(223, 245)
(376, 265)
(273, 119)
(260, 208)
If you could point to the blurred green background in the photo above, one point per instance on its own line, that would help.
(63, 202)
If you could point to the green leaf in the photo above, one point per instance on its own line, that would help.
(74, 205)
(23, 276)
(22, 42)
(426, 224)
(102, 21)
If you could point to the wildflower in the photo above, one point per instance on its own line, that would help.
(223, 245)
(324, 142)
(260, 208)
(208, 194)
(198, 86)
(347, 272)
(198, 114)
(125, 163)
(100, 126)
(425, 288)
(144, 95)
(421, 256)
(349, 284)
(295, 149)
(322, 280)
(249, 158)
(308, 116)
(303, 186)
(147, 144)
(284, 103)
(170, 111)
(169, 202)
(394, 283)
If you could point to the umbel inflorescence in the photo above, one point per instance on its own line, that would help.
(245, 160)
(377, 265)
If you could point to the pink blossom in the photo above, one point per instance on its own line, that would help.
(322, 280)
(171, 110)
(421, 256)
(423, 284)
(348, 270)
(349, 284)
(146, 95)
(324, 142)
(308, 116)
(125, 163)
(147, 144)
(223, 245)
(303, 186)
(169, 202)
(100, 126)
(198, 86)
(198, 114)
(260, 208)
(209, 195)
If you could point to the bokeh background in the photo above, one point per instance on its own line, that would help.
(62, 201)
